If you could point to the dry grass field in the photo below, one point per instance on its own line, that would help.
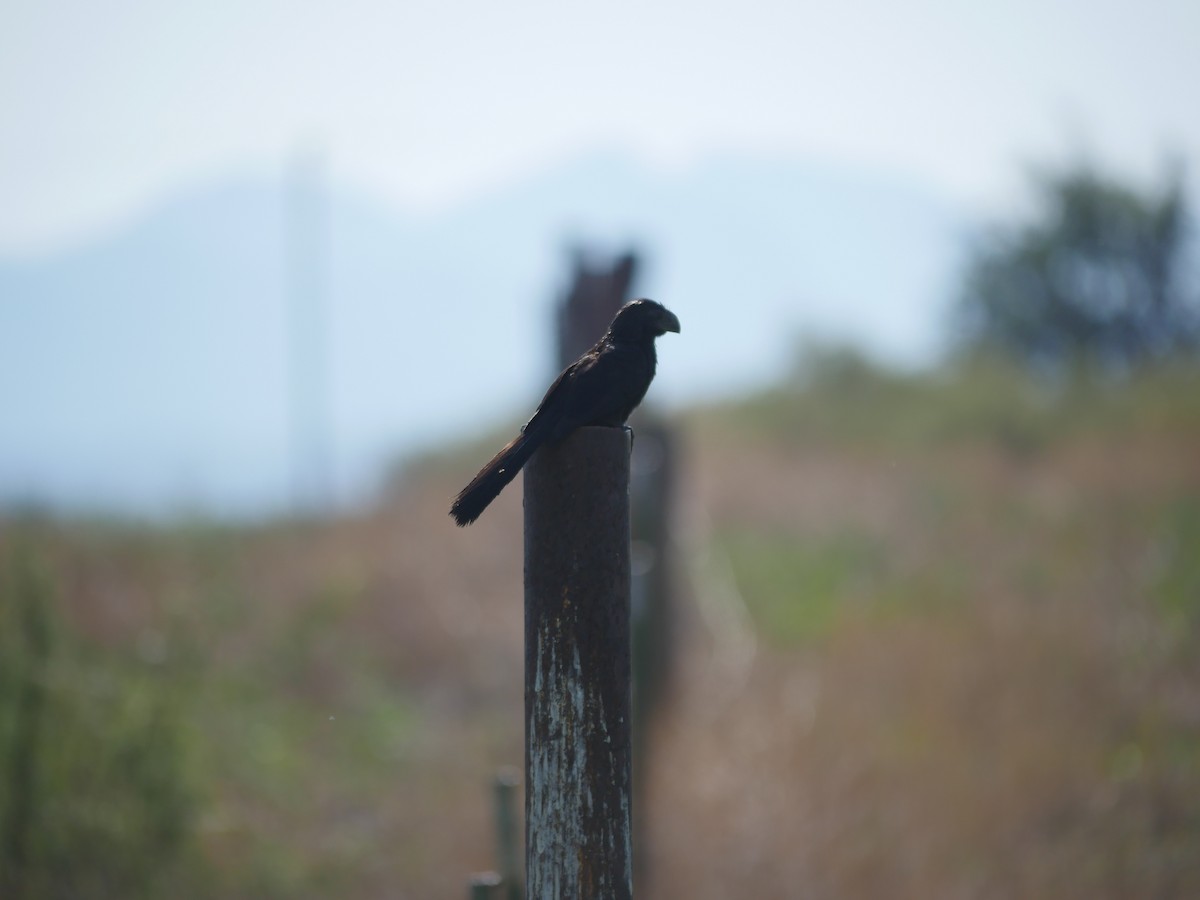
(940, 638)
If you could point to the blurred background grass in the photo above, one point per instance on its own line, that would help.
(972, 597)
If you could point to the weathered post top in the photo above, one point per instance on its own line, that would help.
(577, 668)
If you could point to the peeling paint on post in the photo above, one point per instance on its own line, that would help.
(578, 823)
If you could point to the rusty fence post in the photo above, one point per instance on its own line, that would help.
(578, 756)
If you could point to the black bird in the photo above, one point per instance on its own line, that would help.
(602, 387)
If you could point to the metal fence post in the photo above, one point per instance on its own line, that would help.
(578, 757)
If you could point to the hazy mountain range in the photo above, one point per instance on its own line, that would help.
(149, 369)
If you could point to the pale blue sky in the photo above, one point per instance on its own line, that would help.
(105, 106)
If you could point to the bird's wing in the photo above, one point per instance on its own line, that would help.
(593, 390)
(558, 396)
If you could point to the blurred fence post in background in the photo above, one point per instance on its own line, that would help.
(485, 886)
(507, 854)
(597, 290)
(306, 280)
(578, 750)
(596, 293)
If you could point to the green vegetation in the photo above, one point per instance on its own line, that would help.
(1176, 575)
(164, 733)
(983, 417)
(99, 790)
(1101, 271)
(987, 584)
(974, 597)
(839, 399)
(797, 589)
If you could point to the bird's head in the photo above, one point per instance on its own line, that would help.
(642, 320)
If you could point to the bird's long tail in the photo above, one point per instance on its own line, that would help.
(492, 478)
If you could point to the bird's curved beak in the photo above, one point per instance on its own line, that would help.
(670, 321)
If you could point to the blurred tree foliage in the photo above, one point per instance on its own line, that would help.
(1102, 271)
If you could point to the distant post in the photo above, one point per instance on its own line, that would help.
(578, 756)
(306, 279)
